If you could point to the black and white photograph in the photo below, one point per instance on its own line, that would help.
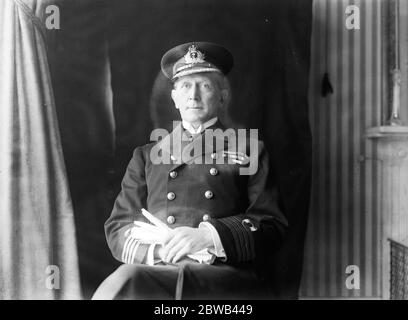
(232, 151)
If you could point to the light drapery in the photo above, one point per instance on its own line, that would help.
(38, 255)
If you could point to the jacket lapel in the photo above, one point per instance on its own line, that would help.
(179, 148)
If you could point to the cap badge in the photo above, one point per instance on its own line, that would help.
(194, 55)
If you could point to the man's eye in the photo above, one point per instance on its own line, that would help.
(206, 86)
(186, 85)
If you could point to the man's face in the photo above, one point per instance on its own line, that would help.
(198, 97)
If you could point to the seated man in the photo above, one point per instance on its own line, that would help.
(197, 214)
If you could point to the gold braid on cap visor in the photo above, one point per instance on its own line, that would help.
(191, 68)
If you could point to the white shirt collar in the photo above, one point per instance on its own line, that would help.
(201, 128)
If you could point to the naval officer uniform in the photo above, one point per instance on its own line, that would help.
(241, 211)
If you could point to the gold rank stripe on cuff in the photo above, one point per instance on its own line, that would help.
(241, 238)
(237, 239)
(128, 249)
(134, 251)
(124, 251)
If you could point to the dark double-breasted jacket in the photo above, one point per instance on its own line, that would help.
(184, 180)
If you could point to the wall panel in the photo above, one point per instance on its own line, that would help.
(344, 218)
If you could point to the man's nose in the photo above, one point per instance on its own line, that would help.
(195, 92)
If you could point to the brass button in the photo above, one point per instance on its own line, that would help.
(171, 196)
(206, 217)
(213, 171)
(214, 156)
(208, 194)
(171, 219)
(173, 158)
(173, 174)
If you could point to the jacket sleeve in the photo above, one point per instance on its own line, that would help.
(127, 208)
(254, 233)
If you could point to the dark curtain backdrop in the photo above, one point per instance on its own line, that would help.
(270, 41)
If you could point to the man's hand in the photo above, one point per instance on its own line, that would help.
(183, 241)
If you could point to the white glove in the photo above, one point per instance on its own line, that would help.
(158, 232)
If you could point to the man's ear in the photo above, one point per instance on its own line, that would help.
(224, 96)
(173, 93)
